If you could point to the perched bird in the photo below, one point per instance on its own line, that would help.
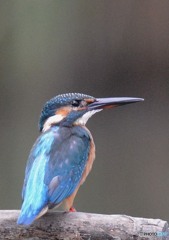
(63, 154)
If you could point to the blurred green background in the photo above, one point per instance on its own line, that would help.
(102, 48)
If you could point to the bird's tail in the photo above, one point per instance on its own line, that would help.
(27, 216)
(25, 219)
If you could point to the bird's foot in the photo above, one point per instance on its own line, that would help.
(72, 209)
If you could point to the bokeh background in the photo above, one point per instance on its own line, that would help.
(102, 48)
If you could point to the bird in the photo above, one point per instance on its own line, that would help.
(63, 154)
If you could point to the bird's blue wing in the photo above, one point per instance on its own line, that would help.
(54, 169)
(67, 163)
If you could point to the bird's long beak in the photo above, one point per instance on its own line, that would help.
(101, 103)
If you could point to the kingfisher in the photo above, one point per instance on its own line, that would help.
(63, 154)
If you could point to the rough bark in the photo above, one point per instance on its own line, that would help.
(82, 226)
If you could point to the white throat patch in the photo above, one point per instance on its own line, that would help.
(83, 120)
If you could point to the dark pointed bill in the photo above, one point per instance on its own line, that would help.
(101, 103)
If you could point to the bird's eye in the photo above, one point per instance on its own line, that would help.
(75, 103)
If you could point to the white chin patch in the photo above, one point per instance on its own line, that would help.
(83, 120)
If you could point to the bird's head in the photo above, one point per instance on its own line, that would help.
(76, 108)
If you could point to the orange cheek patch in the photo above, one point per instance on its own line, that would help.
(64, 111)
(89, 100)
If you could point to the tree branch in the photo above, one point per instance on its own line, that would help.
(82, 226)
